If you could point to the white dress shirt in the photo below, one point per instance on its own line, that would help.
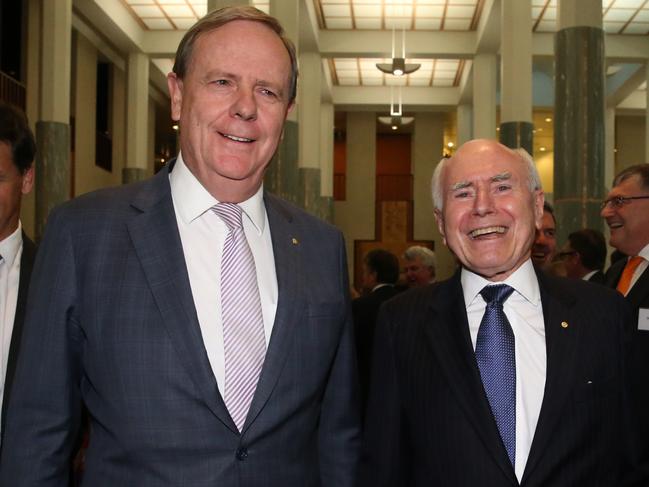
(644, 253)
(11, 250)
(202, 233)
(589, 275)
(525, 314)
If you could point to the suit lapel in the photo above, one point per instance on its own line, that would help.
(155, 237)
(562, 328)
(448, 330)
(286, 250)
(640, 290)
(614, 273)
(26, 265)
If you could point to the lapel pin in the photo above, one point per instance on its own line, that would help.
(564, 324)
(294, 241)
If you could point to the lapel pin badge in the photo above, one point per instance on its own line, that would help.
(294, 241)
(564, 324)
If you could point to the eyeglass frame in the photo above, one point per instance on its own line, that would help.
(620, 201)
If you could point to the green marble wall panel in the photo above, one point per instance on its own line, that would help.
(326, 208)
(518, 134)
(282, 177)
(133, 174)
(52, 170)
(310, 189)
(579, 132)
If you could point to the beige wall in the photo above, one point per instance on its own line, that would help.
(355, 216)
(427, 150)
(629, 142)
(118, 122)
(87, 175)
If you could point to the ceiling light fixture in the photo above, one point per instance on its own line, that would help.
(396, 118)
(398, 67)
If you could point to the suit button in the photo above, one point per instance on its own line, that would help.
(242, 454)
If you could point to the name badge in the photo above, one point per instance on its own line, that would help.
(643, 319)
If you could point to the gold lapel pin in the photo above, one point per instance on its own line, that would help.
(294, 241)
(564, 324)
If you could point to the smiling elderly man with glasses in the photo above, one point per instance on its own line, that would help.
(626, 211)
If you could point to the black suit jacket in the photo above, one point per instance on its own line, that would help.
(638, 363)
(365, 310)
(428, 419)
(598, 278)
(26, 265)
(112, 325)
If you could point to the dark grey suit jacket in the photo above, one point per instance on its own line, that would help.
(26, 265)
(112, 324)
(428, 419)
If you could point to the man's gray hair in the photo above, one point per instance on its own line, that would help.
(438, 193)
(426, 256)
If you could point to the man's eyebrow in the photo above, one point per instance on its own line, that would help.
(503, 176)
(461, 185)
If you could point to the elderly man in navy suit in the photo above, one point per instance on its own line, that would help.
(204, 324)
(500, 376)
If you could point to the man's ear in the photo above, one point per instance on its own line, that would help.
(439, 218)
(539, 200)
(28, 180)
(175, 86)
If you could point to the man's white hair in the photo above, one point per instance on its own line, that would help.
(438, 194)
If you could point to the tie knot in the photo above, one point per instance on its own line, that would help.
(497, 294)
(230, 213)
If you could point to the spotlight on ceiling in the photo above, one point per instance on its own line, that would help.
(398, 66)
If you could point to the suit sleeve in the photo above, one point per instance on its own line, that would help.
(339, 428)
(45, 404)
(382, 458)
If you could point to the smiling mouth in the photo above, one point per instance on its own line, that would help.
(614, 225)
(487, 232)
(237, 139)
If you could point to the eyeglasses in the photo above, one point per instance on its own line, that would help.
(620, 201)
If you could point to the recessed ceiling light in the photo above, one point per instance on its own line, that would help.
(548, 119)
(450, 145)
(542, 149)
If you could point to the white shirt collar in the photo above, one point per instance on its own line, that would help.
(10, 246)
(589, 275)
(644, 252)
(523, 280)
(192, 200)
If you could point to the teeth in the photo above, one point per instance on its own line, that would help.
(486, 230)
(614, 225)
(236, 139)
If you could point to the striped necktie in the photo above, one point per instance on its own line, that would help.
(243, 326)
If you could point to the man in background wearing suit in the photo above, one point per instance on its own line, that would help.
(626, 211)
(205, 324)
(17, 149)
(500, 376)
(380, 274)
(584, 255)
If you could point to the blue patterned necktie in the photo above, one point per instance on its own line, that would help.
(495, 353)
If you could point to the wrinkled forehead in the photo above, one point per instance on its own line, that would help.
(483, 166)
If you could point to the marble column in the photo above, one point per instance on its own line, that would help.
(326, 161)
(283, 176)
(356, 215)
(646, 125)
(309, 136)
(484, 96)
(464, 124)
(516, 74)
(137, 118)
(427, 151)
(53, 127)
(579, 130)
(609, 158)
